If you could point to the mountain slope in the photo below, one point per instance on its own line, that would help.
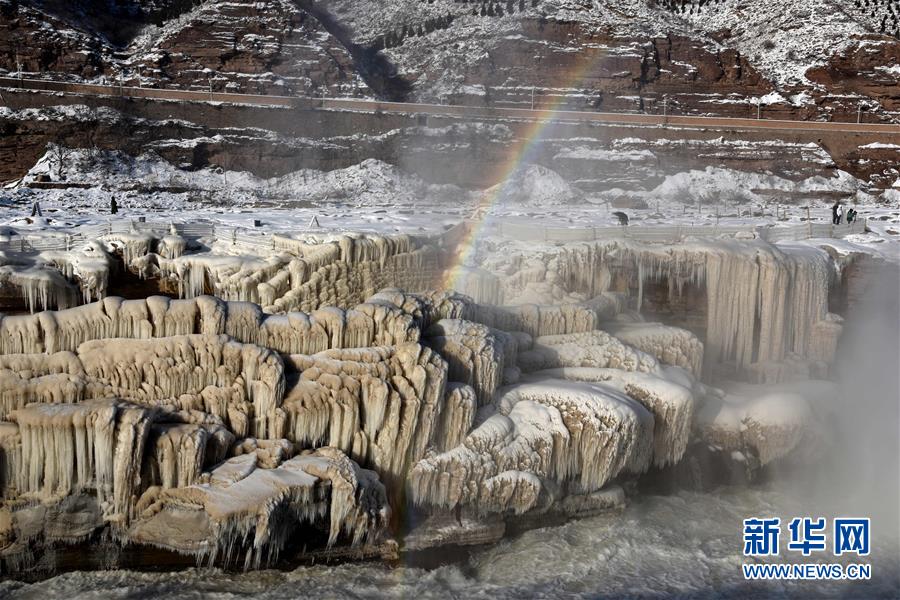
(682, 56)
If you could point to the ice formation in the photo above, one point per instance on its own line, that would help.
(40, 287)
(537, 320)
(67, 448)
(671, 345)
(558, 431)
(671, 404)
(188, 399)
(589, 349)
(327, 386)
(171, 246)
(379, 405)
(159, 316)
(476, 354)
(763, 422)
(131, 245)
(243, 504)
(301, 275)
(56, 279)
(241, 384)
(763, 303)
(89, 266)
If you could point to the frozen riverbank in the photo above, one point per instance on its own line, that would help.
(687, 544)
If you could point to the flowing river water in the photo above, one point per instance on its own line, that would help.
(684, 544)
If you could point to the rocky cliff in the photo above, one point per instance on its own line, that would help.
(813, 59)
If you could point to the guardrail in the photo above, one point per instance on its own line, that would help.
(443, 109)
(678, 233)
(243, 238)
(62, 242)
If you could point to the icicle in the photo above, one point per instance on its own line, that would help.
(42, 288)
(94, 445)
(671, 404)
(242, 383)
(381, 405)
(252, 511)
(763, 301)
(500, 463)
(475, 354)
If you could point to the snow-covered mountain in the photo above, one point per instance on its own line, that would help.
(697, 56)
(802, 59)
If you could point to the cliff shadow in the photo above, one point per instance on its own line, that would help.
(377, 71)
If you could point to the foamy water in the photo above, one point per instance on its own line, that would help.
(685, 544)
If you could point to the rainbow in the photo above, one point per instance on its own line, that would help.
(521, 153)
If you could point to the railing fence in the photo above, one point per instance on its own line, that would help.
(248, 238)
(678, 233)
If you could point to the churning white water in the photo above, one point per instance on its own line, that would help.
(686, 544)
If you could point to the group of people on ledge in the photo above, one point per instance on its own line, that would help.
(837, 214)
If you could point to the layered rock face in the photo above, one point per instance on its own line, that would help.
(274, 142)
(218, 430)
(710, 57)
(251, 47)
(641, 55)
(33, 41)
(611, 71)
(269, 47)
